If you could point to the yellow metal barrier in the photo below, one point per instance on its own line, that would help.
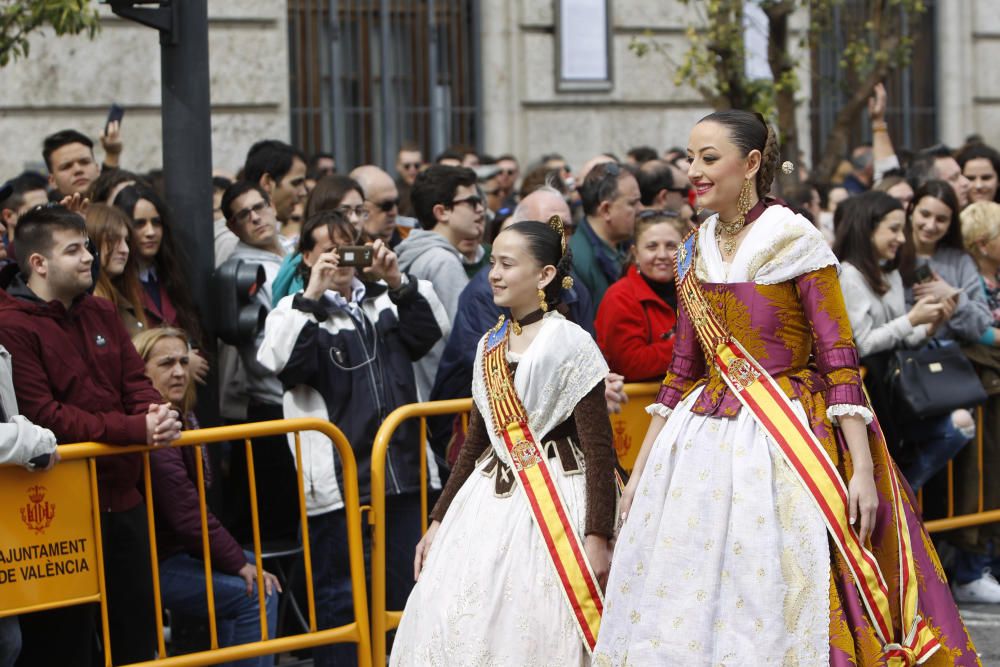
(356, 632)
(978, 518)
(629, 429)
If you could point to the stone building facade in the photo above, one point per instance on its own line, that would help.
(70, 81)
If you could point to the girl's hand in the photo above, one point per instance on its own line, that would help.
(625, 503)
(424, 548)
(936, 288)
(598, 552)
(862, 503)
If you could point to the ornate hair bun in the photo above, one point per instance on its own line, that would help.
(556, 223)
(787, 167)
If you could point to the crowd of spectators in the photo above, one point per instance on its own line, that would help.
(102, 341)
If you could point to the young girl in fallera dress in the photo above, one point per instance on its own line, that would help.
(764, 521)
(511, 568)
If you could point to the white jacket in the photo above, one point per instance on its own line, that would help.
(20, 440)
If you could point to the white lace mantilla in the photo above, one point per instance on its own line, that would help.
(781, 245)
(562, 364)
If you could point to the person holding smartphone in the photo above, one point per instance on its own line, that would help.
(343, 348)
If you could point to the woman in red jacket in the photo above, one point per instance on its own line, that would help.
(635, 321)
(178, 517)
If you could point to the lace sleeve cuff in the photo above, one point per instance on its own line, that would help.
(835, 411)
(658, 409)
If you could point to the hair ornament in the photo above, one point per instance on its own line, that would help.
(556, 223)
(567, 283)
(787, 167)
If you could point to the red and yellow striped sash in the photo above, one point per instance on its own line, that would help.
(812, 466)
(565, 549)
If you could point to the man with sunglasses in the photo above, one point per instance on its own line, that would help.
(409, 161)
(611, 200)
(507, 180)
(450, 210)
(382, 202)
(659, 188)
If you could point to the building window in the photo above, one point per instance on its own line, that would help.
(912, 90)
(369, 75)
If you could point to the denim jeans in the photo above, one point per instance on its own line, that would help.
(935, 441)
(182, 582)
(10, 640)
(332, 574)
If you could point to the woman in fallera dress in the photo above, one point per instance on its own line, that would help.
(511, 568)
(764, 522)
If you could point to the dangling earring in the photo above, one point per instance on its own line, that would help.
(730, 228)
(543, 304)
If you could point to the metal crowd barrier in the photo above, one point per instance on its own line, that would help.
(978, 518)
(38, 510)
(629, 428)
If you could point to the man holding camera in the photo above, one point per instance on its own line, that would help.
(344, 350)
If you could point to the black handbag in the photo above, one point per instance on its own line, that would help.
(934, 381)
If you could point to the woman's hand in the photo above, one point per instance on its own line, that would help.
(424, 548)
(198, 365)
(625, 503)
(925, 311)
(249, 574)
(321, 275)
(862, 503)
(598, 552)
(936, 288)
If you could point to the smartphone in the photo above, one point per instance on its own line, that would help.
(115, 113)
(923, 273)
(355, 255)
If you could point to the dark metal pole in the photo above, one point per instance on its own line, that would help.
(187, 143)
(187, 150)
(187, 166)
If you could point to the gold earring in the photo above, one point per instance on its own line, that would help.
(743, 203)
(543, 304)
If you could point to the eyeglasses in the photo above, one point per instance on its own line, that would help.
(386, 205)
(410, 165)
(474, 202)
(243, 215)
(360, 211)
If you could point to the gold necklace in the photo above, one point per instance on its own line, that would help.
(726, 233)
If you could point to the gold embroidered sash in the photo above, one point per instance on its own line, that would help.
(563, 545)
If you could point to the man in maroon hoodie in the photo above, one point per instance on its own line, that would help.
(77, 374)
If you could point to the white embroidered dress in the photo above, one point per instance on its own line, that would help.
(724, 560)
(488, 594)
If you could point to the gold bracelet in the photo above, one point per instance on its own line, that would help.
(880, 126)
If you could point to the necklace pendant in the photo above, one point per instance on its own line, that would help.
(729, 245)
(515, 326)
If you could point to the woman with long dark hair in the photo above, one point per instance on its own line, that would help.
(934, 241)
(869, 237)
(166, 294)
